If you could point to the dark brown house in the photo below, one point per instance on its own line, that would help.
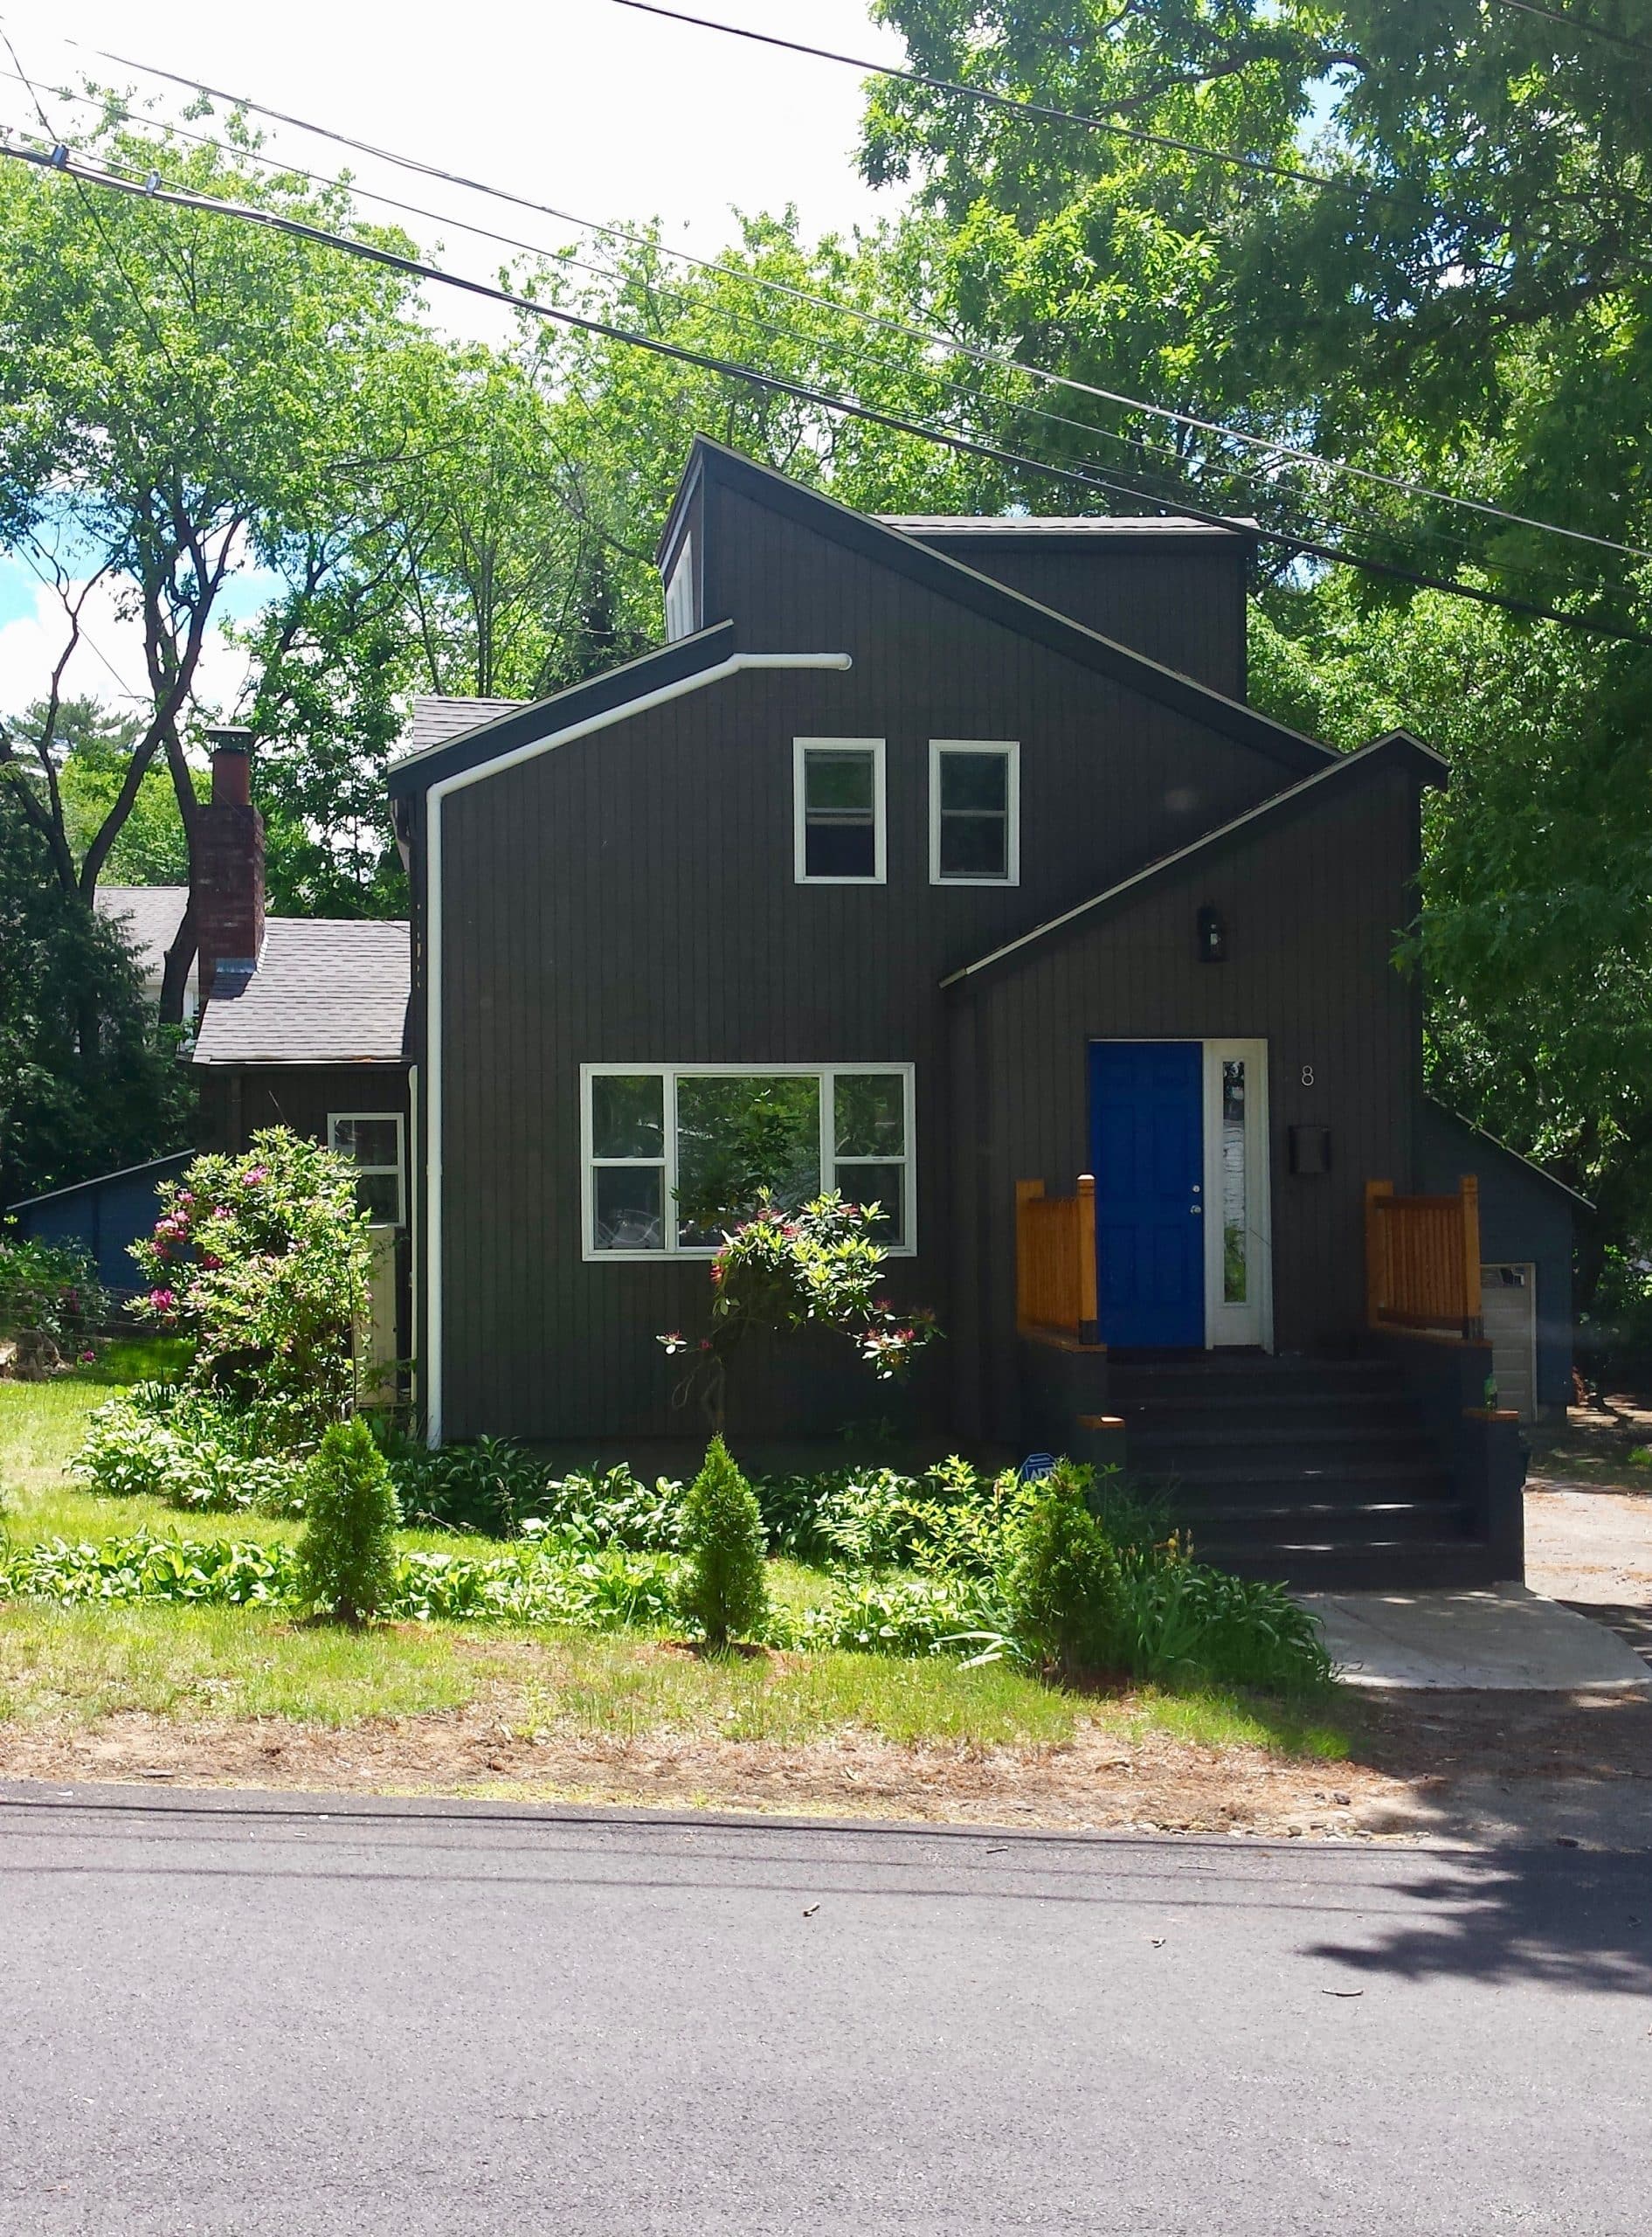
(949, 854)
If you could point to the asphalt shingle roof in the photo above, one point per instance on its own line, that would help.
(327, 991)
(148, 917)
(436, 720)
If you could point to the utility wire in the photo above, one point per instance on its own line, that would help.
(1259, 166)
(987, 358)
(969, 396)
(1168, 490)
(59, 160)
(1578, 24)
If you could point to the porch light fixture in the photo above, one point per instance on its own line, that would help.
(1213, 936)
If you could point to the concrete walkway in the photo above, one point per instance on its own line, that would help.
(1505, 1638)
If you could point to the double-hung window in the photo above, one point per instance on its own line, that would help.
(372, 1141)
(677, 1155)
(974, 811)
(680, 595)
(837, 797)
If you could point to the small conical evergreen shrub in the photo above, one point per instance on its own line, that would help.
(346, 1556)
(723, 1592)
(1062, 1585)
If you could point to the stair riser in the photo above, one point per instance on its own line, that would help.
(1216, 1535)
(1397, 1568)
(1348, 1416)
(1158, 1449)
(1371, 1475)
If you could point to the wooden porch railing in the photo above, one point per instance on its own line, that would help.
(1055, 1261)
(1422, 1259)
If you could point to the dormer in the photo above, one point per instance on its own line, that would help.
(1172, 589)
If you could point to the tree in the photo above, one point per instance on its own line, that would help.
(183, 397)
(85, 1086)
(723, 1544)
(1467, 306)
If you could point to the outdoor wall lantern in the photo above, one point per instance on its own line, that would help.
(1213, 936)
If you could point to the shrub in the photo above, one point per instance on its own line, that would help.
(905, 1615)
(50, 1292)
(820, 1266)
(346, 1554)
(491, 1487)
(722, 1588)
(1062, 1583)
(265, 1259)
(183, 1446)
(1179, 1620)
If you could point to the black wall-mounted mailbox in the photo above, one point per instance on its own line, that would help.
(1311, 1149)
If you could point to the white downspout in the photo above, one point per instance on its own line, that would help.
(737, 664)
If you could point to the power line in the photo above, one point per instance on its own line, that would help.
(1259, 166)
(413, 267)
(768, 327)
(1577, 23)
(987, 358)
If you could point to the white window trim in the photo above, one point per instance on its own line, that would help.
(800, 748)
(669, 1074)
(337, 1119)
(680, 594)
(1010, 748)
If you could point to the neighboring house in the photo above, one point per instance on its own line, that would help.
(148, 917)
(947, 858)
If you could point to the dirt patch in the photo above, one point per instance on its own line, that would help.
(1464, 1766)
(1098, 1781)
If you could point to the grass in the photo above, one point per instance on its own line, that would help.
(76, 1666)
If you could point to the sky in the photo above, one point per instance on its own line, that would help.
(579, 103)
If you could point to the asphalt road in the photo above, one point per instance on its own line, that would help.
(237, 2014)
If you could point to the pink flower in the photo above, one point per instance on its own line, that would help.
(673, 1343)
(163, 1300)
(209, 1265)
(87, 1358)
(258, 1172)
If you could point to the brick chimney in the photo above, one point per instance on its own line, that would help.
(229, 868)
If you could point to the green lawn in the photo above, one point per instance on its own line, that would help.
(72, 1666)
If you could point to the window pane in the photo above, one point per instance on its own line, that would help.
(1235, 1233)
(840, 851)
(869, 1115)
(974, 846)
(884, 1185)
(628, 1201)
(737, 1135)
(838, 782)
(975, 780)
(369, 1141)
(628, 1116)
(379, 1195)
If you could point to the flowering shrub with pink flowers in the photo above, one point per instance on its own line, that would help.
(264, 1260)
(781, 1271)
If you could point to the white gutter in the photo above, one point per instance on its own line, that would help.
(736, 664)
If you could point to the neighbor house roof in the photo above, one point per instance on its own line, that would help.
(516, 724)
(148, 916)
(1516, 1157)
(1394, 748)
(436, 719)
(950, 578)
(326, 991)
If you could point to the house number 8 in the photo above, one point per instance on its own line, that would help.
(1307, 1075)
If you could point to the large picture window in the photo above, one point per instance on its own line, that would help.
(676, 1154)
(838, 811)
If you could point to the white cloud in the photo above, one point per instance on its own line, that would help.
(107, 664)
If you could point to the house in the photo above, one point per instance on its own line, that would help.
(946, 858)
(148, 917)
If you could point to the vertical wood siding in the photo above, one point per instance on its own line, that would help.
(630, 898)
(1313, 912)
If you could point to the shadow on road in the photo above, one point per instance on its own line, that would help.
(1561, 1917)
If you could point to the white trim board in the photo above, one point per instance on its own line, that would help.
(736, 664)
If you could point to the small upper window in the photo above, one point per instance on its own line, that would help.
(839, 809)
(372, 1141)
(680, 595)
(974, 813)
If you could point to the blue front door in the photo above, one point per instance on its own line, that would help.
(1148, 1153)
